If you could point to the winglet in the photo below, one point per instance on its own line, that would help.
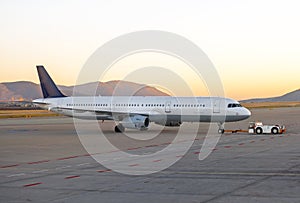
(48, 87)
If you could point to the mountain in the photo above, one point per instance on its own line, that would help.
(21, 90)
(289, 97)
(24, 90)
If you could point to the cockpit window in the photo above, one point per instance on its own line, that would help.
(234, 105)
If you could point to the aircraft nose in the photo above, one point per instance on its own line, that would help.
(247, 113)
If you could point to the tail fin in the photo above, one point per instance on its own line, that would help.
(48, 87)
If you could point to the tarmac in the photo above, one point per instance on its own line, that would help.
(43, 160)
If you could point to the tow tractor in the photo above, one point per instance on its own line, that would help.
(260, 128)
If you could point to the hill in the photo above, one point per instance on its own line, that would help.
(289, 97)
(24, 90)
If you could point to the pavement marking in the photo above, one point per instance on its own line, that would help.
(133, 148)
(69, 157)
(132, 165)
(38, 162)
(158, 160)
(15, 175)
(83, 164)
(32, 184)
(40, 171)
(103, 171)
(63, 167)
(238, 173)
(71, 177)
(152, 145)
(8, 166)
(83, 155)
(117, 150)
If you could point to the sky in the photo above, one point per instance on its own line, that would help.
(254, 45)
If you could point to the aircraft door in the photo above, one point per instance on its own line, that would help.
(168, 107)
(216, 105)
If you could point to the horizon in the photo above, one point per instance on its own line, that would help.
(162, 90)
(254, 45)
(68, 85)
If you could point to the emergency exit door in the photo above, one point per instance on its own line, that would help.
(168, 107)
(216, 105)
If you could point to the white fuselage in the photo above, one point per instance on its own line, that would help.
(158, 109)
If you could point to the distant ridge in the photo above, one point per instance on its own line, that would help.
(27, 91)
(289, 97)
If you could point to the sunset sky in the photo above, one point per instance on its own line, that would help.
(254, 45)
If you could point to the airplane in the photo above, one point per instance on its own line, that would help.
(136, 112)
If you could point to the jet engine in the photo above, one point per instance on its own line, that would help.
(136, 122)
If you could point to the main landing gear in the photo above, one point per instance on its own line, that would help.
(119, 128)
(221, 128)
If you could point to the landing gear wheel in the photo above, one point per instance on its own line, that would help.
(119, 128)
(221, 131)
(221, 128)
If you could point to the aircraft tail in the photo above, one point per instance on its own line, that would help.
(48, 87)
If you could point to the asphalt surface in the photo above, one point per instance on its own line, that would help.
(43, 160)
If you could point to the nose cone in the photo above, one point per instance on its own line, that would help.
(246, 113)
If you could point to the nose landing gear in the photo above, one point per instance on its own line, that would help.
(221, 128)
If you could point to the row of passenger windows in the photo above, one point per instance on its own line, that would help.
(142, 105)
(147, 105)
(189, 105)
(234, 105)
(231, 105)
(87, 104)
(136, 105)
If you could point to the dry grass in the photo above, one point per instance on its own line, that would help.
(25, 113)
(271, 104)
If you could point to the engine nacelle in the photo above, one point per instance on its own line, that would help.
(136, 122)
(169, 123)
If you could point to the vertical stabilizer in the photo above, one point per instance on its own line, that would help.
(48, 87)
